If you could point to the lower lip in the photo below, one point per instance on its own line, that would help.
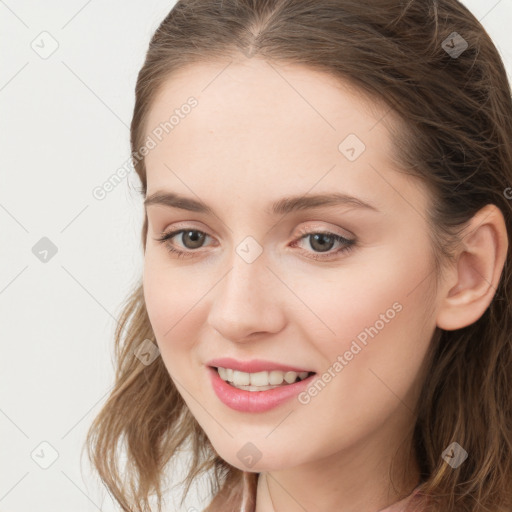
(255, 401)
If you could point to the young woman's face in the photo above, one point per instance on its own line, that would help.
(256, 279)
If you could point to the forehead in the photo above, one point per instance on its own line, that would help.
(260, 123)
(252, 93)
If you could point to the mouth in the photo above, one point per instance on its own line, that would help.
(262, 380)
(257, 392)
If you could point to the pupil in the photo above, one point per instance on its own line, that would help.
(197, 238)
(322, 237)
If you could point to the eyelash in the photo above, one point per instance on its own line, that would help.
(349, 243)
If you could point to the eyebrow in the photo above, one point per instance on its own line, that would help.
(280, 207)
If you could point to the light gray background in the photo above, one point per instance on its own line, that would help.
(64, 130)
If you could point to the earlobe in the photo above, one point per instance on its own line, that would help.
(477, 271)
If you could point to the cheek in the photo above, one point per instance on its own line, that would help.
(386, 289)
(378, 313)
(369, 294)
(173, 302)
(378, 301)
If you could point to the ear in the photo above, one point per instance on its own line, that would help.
(474, 278)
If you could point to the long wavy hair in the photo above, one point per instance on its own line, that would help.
(452, 129)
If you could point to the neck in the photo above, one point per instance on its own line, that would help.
(354, 480)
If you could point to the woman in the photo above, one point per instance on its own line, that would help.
(323, 316)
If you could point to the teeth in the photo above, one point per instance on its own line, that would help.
(260, 379)
(241, 378)
(275, 378)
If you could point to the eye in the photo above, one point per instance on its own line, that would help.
(320, 242)
(323, 241)
(191, 238)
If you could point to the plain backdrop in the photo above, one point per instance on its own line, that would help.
(67, 259)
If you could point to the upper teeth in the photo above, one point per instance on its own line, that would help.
(266, 378)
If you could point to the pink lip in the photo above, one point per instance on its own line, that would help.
(253, 366)
(254, 401)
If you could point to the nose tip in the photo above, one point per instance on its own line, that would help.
(245, 303)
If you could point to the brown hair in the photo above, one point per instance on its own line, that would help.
(453, 132)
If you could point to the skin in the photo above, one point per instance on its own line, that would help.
(261, 132)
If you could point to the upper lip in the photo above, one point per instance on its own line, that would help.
(252, 366)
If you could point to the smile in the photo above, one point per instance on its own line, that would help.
(236, 389)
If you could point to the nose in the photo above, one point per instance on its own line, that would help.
(246, 302)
